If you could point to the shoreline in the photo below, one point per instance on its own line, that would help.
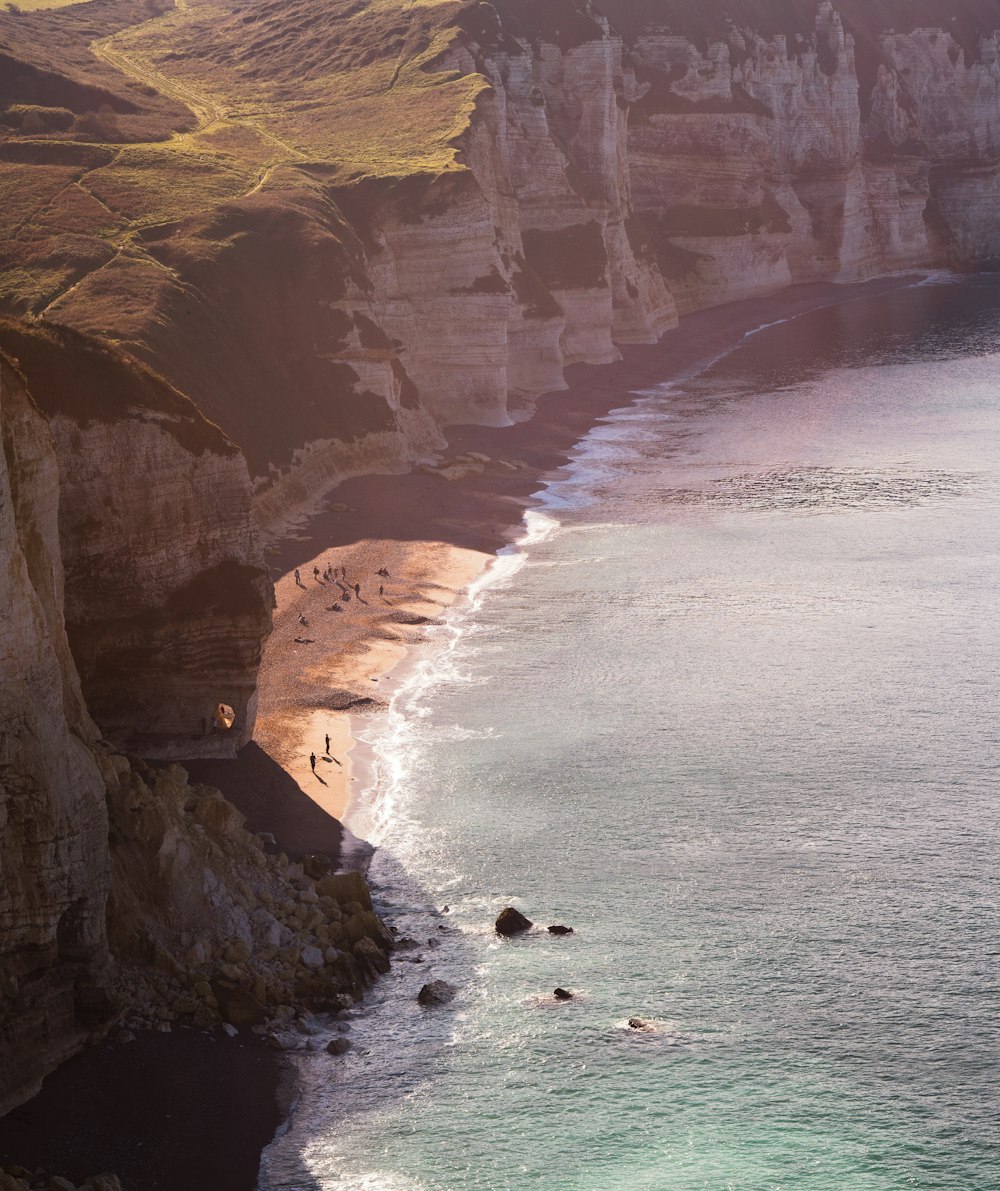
(436, 534)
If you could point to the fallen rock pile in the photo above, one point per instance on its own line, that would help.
(211, 929)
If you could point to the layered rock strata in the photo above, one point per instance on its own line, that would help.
(167, 601)
(760, 162)
(54, 870)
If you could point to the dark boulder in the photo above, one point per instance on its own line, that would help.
(338, 1046)
(562, 994)
(438, 992)
(237, 1005)
(637, 1023)
(559, 929)
(317, 865)
(512, 922)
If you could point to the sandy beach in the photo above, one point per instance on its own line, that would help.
(433, 535)
(434, 530)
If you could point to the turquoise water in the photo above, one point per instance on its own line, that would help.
(731, 710)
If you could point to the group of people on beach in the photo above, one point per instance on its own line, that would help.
(333, 575)
(337, 575)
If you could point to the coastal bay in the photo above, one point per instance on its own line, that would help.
(434, 535)
(752, 616)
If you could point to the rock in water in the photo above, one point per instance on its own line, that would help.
(559, 929)
(438, 992)
(562, 994)
(338, 1046)
(512, 922)
(637, 1023)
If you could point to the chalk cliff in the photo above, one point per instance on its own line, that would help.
(383, 219)
(167, 601)
(122, 888)
(249, 250)
(54, 868)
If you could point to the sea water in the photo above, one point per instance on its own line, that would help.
(731, 709)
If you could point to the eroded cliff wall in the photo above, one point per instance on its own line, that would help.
(54, 867)
(127, 890)
(167, 601)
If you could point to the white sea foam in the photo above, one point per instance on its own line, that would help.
(397, 737)
(938, 277)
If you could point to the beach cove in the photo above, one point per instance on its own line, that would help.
(435, 529)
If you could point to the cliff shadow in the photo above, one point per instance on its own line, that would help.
(216, 1102)
(274, 803)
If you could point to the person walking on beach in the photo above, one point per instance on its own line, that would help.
(381, 589)
(357, 589)
(316, 573)
(298, 578)
(312, 761)
(328, 744)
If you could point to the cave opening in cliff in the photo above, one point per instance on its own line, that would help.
(223, 718)
(73, 944)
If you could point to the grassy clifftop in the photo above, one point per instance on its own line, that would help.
(118, 117)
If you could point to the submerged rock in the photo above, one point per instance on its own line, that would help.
(512, 922)
(438, 992)
(559, 929)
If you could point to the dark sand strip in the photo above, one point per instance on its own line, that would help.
(184, 1111)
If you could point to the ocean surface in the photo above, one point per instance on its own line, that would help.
(731, 709)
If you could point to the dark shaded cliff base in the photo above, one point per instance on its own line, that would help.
(165, 1112)
(272, 802)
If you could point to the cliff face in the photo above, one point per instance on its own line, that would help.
(812, 176)
(167, 602)
(54, 867)
(122, 888)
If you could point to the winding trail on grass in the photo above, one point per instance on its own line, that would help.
(205, 110)
(208, 114)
